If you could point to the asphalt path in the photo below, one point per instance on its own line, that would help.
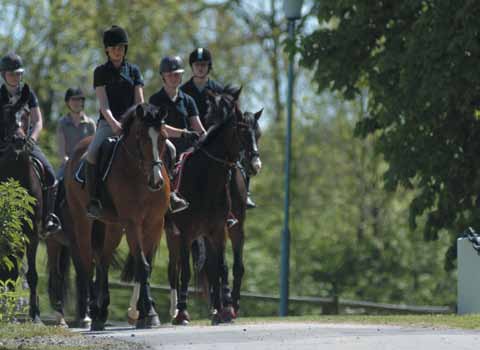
(296, 336)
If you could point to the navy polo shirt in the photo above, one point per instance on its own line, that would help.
(32, 100)
(200, 97)
(120, 85)
(179, 113)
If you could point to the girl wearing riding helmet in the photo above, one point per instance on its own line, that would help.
(118, 86)
(73, 127)
(183, 124)
(12, 69)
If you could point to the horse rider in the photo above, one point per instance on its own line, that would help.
(73, 127)
(198, 86)
(118, 86)
(183, 123)
(12, 69)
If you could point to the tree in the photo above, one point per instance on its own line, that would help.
(419, 62)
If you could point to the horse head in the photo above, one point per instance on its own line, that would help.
(223, 117)
(250, 134)
(12, 114)
(145, 124)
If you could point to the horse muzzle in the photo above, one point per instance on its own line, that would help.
(156, 180)
(256, 165)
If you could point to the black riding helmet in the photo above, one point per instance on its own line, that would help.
(11, 62)
(171, 64)
(201, 54)
(74, 92)
(115, 36)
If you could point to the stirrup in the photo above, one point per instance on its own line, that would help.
(231, 220)
(52, 224)
(94, 209)
(250, 203)
(177, 203)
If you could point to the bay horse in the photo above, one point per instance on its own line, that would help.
(16, 162)
(205, 175)
(139, 191)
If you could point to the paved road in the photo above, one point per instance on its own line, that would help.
(304, 336)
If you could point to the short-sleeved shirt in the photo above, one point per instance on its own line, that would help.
(71, 135)
(200, 96)
(32, 100)
(179, 112)
(120, 85)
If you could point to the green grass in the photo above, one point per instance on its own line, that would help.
(444, 321)
(28, 330)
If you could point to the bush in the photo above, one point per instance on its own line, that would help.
(15, 207)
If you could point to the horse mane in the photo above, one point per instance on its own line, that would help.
(127, 119)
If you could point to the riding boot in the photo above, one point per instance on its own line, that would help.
(51, 221)
(250, 203)
(94, 207)
(177, 202)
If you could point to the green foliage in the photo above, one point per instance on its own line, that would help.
(418, 60)
(13, 300)
(15, 207)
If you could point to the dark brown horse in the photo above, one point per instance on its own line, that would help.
(139, 190)
(16, 162)
(206, 173)
(60, 252)
(250, 166)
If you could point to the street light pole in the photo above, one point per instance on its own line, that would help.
(292, 11)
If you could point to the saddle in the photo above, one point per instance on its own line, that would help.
(106, 155)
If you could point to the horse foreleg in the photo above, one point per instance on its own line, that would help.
(132, 313)
(147, 316)
(173, 244)
(32, 279)
(238, 242)
(182, 317)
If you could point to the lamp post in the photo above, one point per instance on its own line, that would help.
(293, 9)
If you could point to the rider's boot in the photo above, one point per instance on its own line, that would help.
(177, 202)
(94, 207)
(51, 221)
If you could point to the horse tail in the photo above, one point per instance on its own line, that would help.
(199, 257)
(128, 271)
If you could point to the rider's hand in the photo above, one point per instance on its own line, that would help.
(116, 127)
(190, 136)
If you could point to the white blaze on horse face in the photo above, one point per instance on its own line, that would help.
(157, 168)
(256, 163)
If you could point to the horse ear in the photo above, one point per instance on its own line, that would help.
(139, 111)
(258, 114)
(25, 93)
(236, 93)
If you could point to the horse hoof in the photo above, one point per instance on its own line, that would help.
(227, 315)
(182, 318)
(148, 322)
(60, 320)
(132, 316)
(37, 321)
(97, 326)
(85, 322)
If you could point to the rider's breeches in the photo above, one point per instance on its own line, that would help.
(50, 172)
(103, 132)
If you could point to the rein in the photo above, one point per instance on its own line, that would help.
(224, 162)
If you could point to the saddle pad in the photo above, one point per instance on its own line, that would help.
(177, 176)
